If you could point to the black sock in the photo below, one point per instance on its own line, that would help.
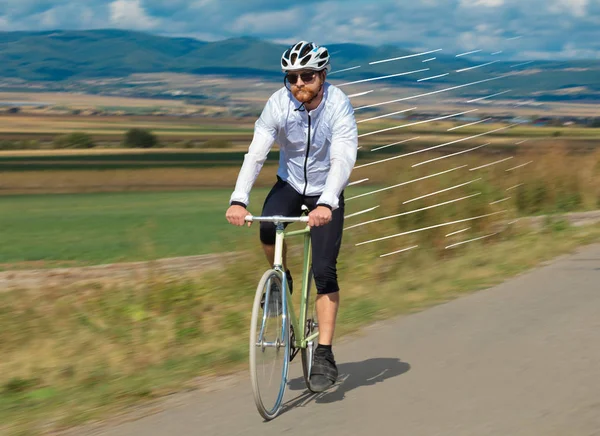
(324, 347)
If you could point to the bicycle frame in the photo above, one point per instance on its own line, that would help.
(280, 235)
(297, 324)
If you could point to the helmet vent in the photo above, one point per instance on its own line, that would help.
(306, 49)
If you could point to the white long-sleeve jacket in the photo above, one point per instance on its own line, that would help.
(315, 163)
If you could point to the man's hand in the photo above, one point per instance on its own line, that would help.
(236, 215)
(319, 217)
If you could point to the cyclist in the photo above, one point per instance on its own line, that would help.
(313, 123)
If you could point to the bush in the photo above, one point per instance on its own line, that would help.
(140, 138)
(74, 140)
(9, 145)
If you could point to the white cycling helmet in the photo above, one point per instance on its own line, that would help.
(305, 56)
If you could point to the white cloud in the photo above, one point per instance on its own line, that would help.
(87, 16)
(475, 3)
(130, 14)
(4, 24)
(272, 21)
(48, 19)
(199, 4)
(565, 54)
(577, 8)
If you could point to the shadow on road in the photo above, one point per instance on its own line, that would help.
(352, 375)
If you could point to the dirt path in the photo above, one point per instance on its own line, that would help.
(126, 272)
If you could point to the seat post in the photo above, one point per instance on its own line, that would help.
(278, 258)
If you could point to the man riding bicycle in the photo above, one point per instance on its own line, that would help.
(313, 123)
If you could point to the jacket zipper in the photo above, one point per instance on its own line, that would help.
(306, 158)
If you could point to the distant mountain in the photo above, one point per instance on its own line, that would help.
(74, 55)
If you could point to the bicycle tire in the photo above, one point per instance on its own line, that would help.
(310, 327)
(268, 411)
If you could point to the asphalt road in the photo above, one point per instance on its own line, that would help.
(522, 358)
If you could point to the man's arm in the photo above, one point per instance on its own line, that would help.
(265, 132)
(344, 146)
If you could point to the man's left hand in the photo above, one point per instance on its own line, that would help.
(319, 217)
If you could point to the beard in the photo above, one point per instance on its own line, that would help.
(305, 94)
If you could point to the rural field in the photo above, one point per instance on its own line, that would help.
(100, 206)
(79, 352)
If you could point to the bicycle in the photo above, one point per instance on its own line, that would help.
(290, 334)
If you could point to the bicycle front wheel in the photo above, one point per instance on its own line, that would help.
(269, 345)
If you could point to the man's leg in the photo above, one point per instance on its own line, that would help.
(326, 242)
(282, 200)
(327, 308)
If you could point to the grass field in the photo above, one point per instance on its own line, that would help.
(171, 128)
(111, 126)
(112, 227)
(86, 101)
(85, 229)
(241, 92)
(92, 160)
(90, 228)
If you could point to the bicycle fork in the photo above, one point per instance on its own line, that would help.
(278, 266)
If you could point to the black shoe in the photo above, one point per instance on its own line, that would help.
(324, 371)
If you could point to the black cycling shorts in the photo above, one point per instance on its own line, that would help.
(326, 240)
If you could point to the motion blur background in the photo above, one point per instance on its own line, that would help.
(123, 126)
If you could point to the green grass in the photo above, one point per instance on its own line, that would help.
(84, 229)
(82, 160)
(114, 227)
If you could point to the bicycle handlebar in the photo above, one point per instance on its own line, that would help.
(276, 219)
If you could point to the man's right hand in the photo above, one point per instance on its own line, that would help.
(236, 215)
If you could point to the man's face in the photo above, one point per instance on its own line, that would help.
(305, 84)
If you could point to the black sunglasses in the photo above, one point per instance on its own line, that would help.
(306, 77)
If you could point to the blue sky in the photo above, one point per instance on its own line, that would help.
(558, 29)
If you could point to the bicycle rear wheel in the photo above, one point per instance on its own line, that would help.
(269, 345)
(310, 327)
